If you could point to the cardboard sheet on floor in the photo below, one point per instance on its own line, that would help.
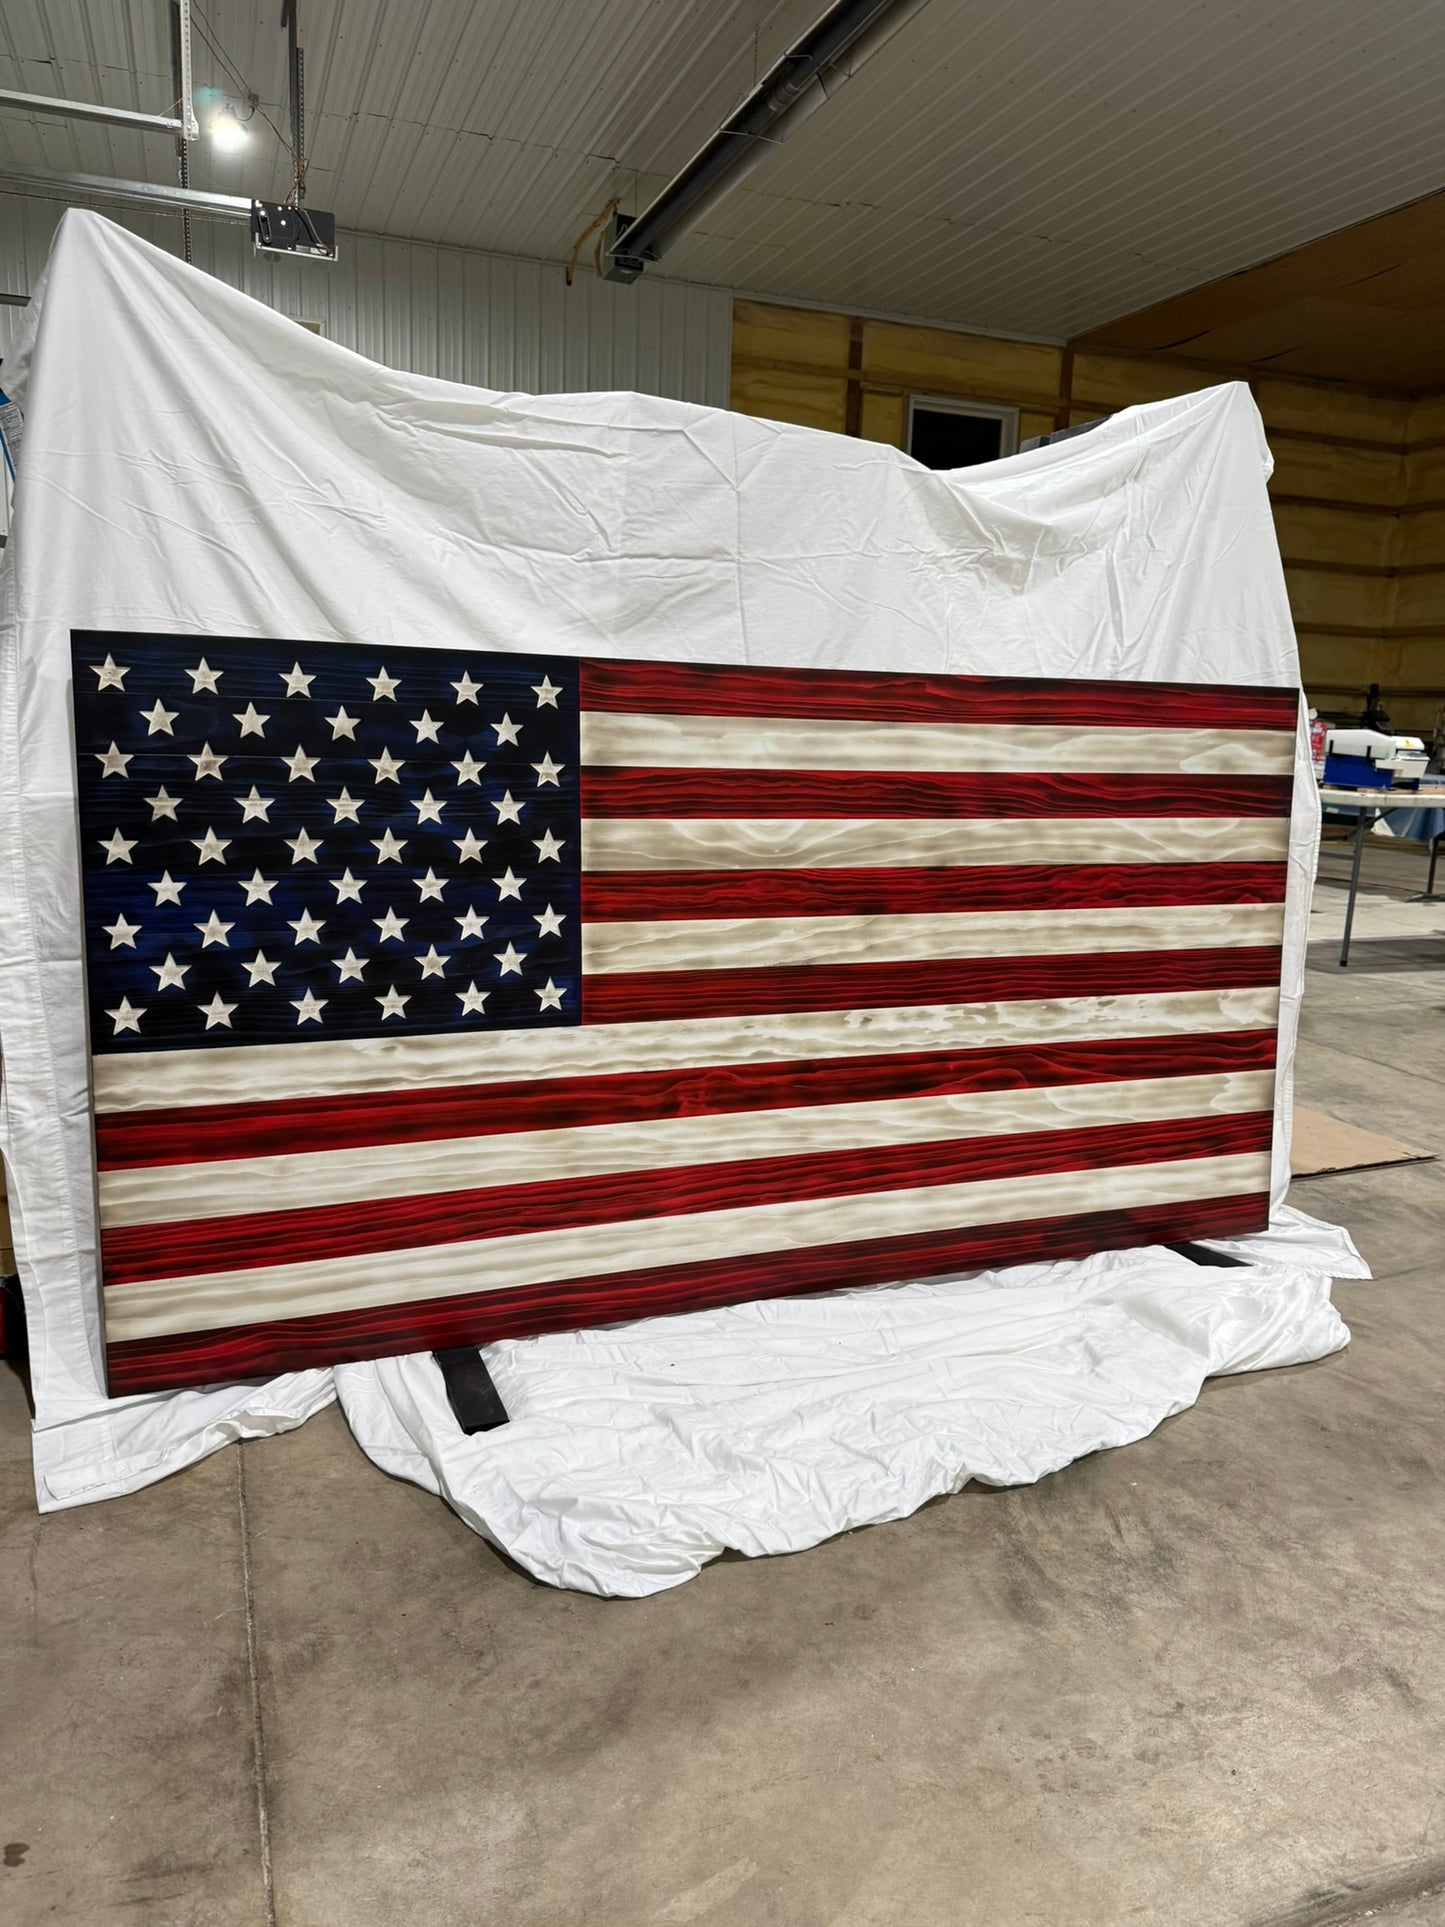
(193, 463)
(1320, 1145)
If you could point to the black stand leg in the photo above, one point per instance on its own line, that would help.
(476, 1404)
(1360, 821)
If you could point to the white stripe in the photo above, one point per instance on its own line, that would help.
(274, 1073)
(785, 742)
(716, 843)
(208, 1302)
(758, 943)
(180, 1193)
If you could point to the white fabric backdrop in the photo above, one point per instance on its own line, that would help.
(195, 463)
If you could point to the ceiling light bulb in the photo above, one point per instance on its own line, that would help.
(227, 131)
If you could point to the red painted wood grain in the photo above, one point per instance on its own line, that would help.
(732, 794)
(845, 695)
(211, 1132)
(667, 996)
(480, 1318)
(671, 895)
(134, 1254)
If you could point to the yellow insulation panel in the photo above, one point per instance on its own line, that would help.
(1332, 411)
(938, 361)
(1311, 534)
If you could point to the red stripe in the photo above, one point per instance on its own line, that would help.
(481, 1318)
(671, 995)
(259, 1240)
(740, 793)
(639, 895)
(677, 689)
(210, 1132)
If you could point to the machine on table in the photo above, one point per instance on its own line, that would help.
(1372, 774)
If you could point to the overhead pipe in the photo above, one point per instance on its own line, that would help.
(809, 73)
(142, 193)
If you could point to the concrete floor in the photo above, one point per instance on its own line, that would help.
(1198, 1682)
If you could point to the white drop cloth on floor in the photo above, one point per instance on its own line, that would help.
(194, 463)
(635, 1455)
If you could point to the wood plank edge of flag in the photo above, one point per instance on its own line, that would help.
(238, 1352)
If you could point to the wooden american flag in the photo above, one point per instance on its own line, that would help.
(440, 996)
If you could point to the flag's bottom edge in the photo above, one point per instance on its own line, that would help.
(482, 1317)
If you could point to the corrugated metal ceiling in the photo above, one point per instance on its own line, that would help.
(1042, 166)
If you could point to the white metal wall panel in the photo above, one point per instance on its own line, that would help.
(1040, 167)
(488, 320)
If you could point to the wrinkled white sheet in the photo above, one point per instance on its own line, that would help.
(634, 1456)
(193, 462)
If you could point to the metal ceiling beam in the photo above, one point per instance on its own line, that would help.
(92, 110)
(809, 73)
(184, 124)
(231, 207)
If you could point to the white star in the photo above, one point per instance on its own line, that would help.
(467, 769)
(350, 965)
(552, 997)
(426, 729)
(216, 1012)
(204, 677)
(433, 964)
(393, 1004)
(297, 682)
(508, 886)
(391, 925)
(112, 676)
(471, 925)
(507, 731)
(253, 723)
(431, 885)
(548, 771)
(167, 891)
(300, 765)
(548, 846)
(342, 724)
(466, 689)
(213, 848)
(112, 761)
(428, 810)
(303, 848)
(507, 810)
(309, 1007)
(214, 931)
(260, 969)
(471, 846)
(546, 693)
(207, 763)
(345, 805)
(163, 804)
(386, 767)
(347, 888)
(308, 928)
(118, 848)
(259, 886)
(384, 687)
(549, 924)
(255, 805)
(510, 959)
(159, 719)
(121, 933)
(128, 1016)
(170, 973)
(471, 998)
(389, 847)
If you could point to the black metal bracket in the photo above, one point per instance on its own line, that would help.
(475, 1401)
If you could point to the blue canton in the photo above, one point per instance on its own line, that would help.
(288, 842)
